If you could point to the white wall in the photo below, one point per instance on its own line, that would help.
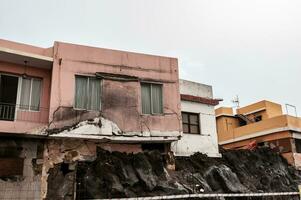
(195, 89)
(206, 142)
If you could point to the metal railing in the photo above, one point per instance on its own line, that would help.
(7, 111)
(15, 112)
(296, 195)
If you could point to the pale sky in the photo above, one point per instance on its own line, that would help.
(249, 48)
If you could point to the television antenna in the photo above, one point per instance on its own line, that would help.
(236, 101)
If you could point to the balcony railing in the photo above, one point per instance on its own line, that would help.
(15, 112)
(7, 111)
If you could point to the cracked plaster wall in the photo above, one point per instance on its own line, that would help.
(120, 99)
(72, 150)
(26, 186)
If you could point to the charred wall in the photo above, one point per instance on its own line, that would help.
(60, 160)
(20, 168)
(121, 104)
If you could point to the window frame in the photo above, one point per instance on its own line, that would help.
(151, 99)
(258, 118)
(88, 78)
(189, 124)
(20, 107)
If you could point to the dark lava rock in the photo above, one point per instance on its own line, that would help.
(144, 170)
(60, 183)
(221, 178)
(116, 175)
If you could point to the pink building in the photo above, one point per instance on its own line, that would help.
(65, 84)
(68, 94)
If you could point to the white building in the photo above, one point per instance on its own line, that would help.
(198, 120)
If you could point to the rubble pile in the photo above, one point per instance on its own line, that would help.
(115, 175)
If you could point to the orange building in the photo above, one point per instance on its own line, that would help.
(262, 123)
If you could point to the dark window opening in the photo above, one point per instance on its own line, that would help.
(242, 122)
(8, 97)
(298, 145)
(191, 123)
(10, 162)
(258, 118)
(154, 146)
(65, 168)
(261, 144)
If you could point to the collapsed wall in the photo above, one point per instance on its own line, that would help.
(115, 175)
(21, 163)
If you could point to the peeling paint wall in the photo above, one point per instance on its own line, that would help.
(70, 151)
(26, 186)
(120, 100)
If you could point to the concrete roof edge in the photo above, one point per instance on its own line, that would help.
(117, 50)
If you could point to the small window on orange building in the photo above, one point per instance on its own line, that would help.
(298, 145)
(258, 118)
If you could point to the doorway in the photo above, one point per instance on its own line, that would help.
(8, 97)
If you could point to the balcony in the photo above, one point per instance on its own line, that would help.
(14, 112)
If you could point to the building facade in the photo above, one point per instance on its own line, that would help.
(262, 124)
(58, 104)
(198, 120)
(66, 84)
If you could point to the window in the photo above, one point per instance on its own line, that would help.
(242, 122)
(30, 94)
(258, 118)
(87, 93)
(191, 123)
(152, 98)
(298, 145)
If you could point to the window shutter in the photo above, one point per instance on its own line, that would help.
(25, 93)
(81, 92)
(146, 98)
(35, 94)
(157, 105)
(94, 94)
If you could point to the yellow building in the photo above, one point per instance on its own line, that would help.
(264, 123)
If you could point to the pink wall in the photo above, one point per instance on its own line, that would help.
(26, 48)
(27, 121)
(120, 100)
